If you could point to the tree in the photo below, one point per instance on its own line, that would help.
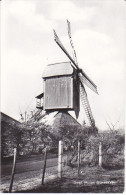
(18, 137)
(39, 135)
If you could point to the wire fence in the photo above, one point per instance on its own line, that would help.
(28, 172)
(29, 169)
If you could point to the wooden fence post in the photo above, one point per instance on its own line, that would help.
(13, 170)
(100, 154)
(60, 153)
(44, 168)
(78, 157)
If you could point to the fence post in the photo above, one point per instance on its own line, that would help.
(13, 170)
(60, 153)
(78, 157)
(44, 168)
(100, 154)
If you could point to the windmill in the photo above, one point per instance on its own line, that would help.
(64, 85)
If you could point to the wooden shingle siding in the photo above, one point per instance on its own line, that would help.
(58, 93)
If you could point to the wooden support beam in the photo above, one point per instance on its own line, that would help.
(78, 157)
(13, 170)
(44, 168)
(60, 153)
(100, 154)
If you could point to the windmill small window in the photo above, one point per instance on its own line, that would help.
(39, 101)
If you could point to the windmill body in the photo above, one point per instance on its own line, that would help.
(61, 88)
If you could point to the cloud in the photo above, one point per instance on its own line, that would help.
(28, 45)
(25, 13)
(96, 49)
(92, 44)
(62, 10)
(103, 62)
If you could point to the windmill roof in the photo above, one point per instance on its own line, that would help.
(66, 119)
(58, 69)
(58, 119)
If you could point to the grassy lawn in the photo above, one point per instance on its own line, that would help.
(90, 179)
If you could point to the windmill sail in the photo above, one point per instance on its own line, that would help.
(84, 79)
(56, 38)
(71, 42)
(86, 105)
(83, 94)
(87, 81)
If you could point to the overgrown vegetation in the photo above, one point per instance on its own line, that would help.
(32, 137)
(113, 143)
(28, 138)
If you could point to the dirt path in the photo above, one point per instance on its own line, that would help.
(28, 181)
(28, 174)
(26, 166)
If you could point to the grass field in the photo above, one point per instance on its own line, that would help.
(93, 179)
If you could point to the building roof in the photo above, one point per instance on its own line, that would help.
(8, 119)
(58, 69)
(40, 96)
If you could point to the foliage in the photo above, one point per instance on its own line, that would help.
(113, 144)
(71, 134)
(11, 136)
(112, 147)
(30, 137)
(112, 150)
(38, 136)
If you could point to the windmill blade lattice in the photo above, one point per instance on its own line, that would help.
(71, 42)
(86, 105)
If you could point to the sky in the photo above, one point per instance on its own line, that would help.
(27, 45)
